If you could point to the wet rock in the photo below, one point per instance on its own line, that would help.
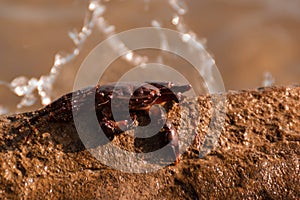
(257, 155)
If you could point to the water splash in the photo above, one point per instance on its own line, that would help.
(268, 80)
(26, 87)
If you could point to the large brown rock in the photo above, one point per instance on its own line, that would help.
(257, 156)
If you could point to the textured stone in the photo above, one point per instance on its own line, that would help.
(257, 156)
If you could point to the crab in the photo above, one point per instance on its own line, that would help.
(143, 101)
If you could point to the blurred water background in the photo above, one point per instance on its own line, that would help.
(250, 40)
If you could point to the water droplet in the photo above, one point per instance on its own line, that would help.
(99, 10)
(19, 81)
(179, 6)
(155, 23)
(268, 79)
(76, 51)
(82, 36)
(33, 82)
(3, 110)
(175, 20)
(186, 37)
(129, 56)
(20, 86)
(92, 6)
(46, 100)
(27, 100)
(109, 30)
(86, 30)
(74, 36)
(58, 60)
(20, 91)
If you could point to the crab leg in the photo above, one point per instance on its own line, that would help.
(112, 128)
(171, 135)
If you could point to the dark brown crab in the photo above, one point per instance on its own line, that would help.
(126, 96)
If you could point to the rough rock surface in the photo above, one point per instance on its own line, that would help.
(257, 156)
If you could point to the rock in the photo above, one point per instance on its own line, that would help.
(257, 155)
